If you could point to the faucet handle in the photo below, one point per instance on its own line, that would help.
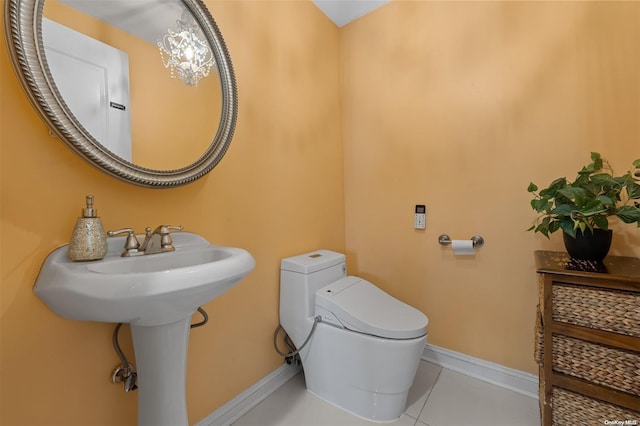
(131, 244)
(162, 230)
(167, 229)
(166, 243)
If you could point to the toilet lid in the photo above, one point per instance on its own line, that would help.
(360, 306)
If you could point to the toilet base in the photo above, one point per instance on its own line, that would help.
(364, 375)
(356, 414)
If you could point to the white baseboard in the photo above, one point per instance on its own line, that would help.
(250, 397)
(515, 380)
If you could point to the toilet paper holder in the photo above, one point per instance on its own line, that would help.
(445, 240)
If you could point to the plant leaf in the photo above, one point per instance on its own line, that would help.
(633, 190)
(606, 200)
(563, 209)
(558, 183)
(582, 226)
(601, 222)
(541, 204)
(629, 214)
(597, 160)
(602, 178)
(572, 193)
(567, 227)
(542, 228)
(532, 187)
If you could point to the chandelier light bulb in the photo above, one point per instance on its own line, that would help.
(187, 56)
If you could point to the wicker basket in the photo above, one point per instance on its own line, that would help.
(607, 366)
(604, 365)
(569, 408)
(610, 310)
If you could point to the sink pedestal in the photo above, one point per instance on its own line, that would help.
(161, 362)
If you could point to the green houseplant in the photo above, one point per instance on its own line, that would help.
(582, 208)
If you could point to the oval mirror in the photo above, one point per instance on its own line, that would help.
(143, 90)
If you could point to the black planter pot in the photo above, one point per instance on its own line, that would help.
(588, 246)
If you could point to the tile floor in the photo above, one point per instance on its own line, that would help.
(439, 397)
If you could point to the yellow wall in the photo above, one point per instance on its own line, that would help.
(455, 105)
(277, 192)
(459, 105)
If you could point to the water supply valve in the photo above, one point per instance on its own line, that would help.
(125, 375)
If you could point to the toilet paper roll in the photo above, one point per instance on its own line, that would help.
(462, 247)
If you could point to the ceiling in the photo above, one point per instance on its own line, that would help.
(341, 12)
(149, 18)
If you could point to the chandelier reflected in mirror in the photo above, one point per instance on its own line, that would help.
(185, 52)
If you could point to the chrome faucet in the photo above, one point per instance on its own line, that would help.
(158, 241)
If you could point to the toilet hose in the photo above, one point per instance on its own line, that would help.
(295, 352)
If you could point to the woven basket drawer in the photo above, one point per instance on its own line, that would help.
(611, 367)
(569, 408)
(607, 366)
(609, 310)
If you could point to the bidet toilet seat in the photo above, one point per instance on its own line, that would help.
(360, 306)
(357, 319)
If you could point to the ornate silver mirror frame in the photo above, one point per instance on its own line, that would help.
(23, 27)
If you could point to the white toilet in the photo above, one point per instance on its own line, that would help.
(364, 351)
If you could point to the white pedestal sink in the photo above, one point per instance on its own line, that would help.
(157, 294)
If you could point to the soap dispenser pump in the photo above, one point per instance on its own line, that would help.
(88, 241)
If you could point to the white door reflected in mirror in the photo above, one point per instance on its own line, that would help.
(93, 79)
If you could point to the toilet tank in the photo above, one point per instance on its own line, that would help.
(300, 277)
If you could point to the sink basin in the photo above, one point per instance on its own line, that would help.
(162, 263)
(144, 290)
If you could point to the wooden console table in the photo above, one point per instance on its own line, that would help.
(588, 339)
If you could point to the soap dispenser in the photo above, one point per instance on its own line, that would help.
(88, 241)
